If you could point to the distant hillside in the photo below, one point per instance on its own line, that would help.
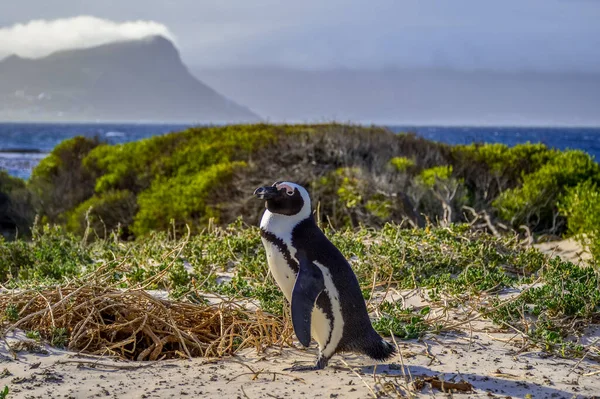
(413, 96)
(125, 81)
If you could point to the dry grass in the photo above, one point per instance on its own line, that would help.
(135, 325)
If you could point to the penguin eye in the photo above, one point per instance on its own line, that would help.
(288, 189)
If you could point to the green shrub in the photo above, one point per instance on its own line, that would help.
(403, 323)
(554, 311)
(356, 176)
(174, 172)
(13, 255)
(350, 188)
(60, 181)
(502, 159)
(183, 199)
(9, 184)
(16, 208)
(135, 166)
(402, 164)
(432, 176)
(490, 169)
(581, 206)
(446, 194)
(103, 213)
(59, 337)
(12, 313)
(174, 178)
(353, 198)
(52, 254)
(535, 203)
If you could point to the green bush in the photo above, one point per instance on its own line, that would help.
(178, 176)
(433, 176)
(504, 160)
(60, 181)
(403, 323)
(402, 164)
(135, 166)
(581, 206)
(356, 176)
(439, 194)
(183, 199)
(353, 198)
(535, 203)
(490, 169)
(552, 312)
(52, 254)
(103, 213)
(16, 208)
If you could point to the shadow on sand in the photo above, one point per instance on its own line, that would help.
(482, 384)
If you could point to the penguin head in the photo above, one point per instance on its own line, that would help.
(285, 198)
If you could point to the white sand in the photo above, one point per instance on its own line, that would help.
(493, 363)
(569, 250)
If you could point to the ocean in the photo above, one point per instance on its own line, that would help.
(23, 145)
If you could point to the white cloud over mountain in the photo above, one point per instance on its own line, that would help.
(38, 38)
(509, 35)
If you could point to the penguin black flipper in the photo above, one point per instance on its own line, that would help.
(309, 285)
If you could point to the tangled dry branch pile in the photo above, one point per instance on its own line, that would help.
(135, 325)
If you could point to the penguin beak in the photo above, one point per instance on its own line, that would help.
(267, 192)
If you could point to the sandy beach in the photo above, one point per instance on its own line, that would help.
(474, 360)
(489, 362)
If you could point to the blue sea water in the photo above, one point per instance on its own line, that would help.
(23, 145)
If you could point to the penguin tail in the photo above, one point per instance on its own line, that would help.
(379, 349)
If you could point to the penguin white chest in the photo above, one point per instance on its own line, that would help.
(280, 269)
(327, 332)
(285, 277)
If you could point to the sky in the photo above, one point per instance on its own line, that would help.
(508, 35)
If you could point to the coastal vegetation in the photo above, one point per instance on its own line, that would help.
(462, 275)
(176, 213)
(357, 176)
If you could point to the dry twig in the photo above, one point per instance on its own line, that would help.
(135, 325)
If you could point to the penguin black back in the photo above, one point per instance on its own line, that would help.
(324, 281)
(358, 335)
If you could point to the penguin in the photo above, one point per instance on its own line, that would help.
(317, 280)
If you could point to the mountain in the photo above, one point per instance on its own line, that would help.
(413, 96)
(140, 80)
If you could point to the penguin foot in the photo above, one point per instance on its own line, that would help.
(320, 365)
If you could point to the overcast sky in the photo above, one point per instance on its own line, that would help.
(473, 34)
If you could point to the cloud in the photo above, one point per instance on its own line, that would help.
(38, 38)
